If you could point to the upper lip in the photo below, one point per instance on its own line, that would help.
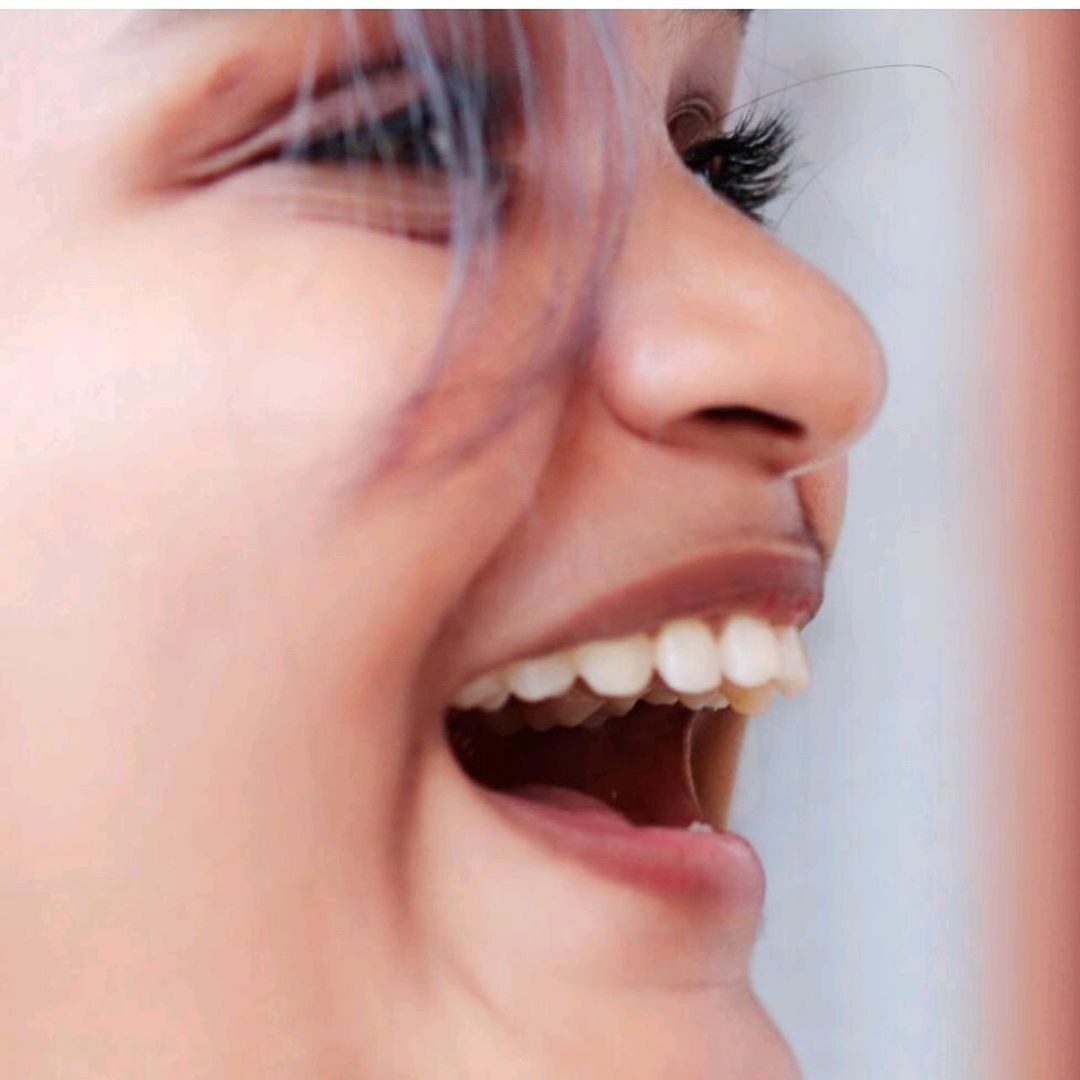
(779, 581)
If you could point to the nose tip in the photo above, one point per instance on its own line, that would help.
(724, 340)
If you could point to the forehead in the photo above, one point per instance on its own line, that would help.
(654, 35)
(686, 52)
(676, 29)
(92, 61)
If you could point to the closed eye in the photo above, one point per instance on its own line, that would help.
(384, 150)
(455, 126)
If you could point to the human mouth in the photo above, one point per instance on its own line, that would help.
(684, 662)
(622, 750)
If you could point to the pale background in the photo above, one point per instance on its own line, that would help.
(863, 797)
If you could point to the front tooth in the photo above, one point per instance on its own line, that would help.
(574, 709)
(686, 656)
(714, 700)
(619, 706)
(747, 651)
(661, 695)
(698, 701)
(616, 668)
(542, 677)
(477, 691)
(496, 701)
(793, 671)
(748, 700)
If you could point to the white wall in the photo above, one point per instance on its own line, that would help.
(862, 796)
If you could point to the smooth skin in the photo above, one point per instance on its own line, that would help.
(235, 841)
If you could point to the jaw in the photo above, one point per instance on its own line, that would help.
(518, 906)
(536, 959)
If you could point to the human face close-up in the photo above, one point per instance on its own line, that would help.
(352, 360)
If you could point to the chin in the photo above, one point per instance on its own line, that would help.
(577, 865)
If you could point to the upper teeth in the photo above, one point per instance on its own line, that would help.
(739, 662)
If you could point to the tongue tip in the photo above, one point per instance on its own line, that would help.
(579, 802)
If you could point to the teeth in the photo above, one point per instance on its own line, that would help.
(661, 695)
(620, 706)
(699, 826)
(616, 668)
(712, 700)
(748, 652)
(717, 701)
(575, 708)
(696, 701)
(686, 656)
(750, 701)
(494, 704)
(684, 661)
(793, 673)
(545, 677)
(481, 690)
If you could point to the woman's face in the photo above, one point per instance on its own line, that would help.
(262, 520)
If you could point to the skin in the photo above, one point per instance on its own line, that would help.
(236, 843)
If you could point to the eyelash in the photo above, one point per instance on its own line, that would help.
(395, 138)
(410, 137)
(748, 166)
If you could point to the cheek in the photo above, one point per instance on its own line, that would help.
(229, 404)
(268, 351)
(195, 531)
(188, 398)
(823, 494)
(325, 336)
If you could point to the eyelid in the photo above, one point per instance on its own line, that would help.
(355, 100)
(692, 107)
(692, 121)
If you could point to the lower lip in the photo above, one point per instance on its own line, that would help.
(717, 868)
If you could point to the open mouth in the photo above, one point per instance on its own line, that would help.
(642, 731)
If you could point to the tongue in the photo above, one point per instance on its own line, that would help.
(563, 798)
(637, 765)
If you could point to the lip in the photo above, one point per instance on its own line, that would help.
(781, 582)
(719, 869)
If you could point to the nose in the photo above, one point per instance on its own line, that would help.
(716, 337)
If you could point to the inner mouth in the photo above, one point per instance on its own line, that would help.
(658, 765)
(646, 727)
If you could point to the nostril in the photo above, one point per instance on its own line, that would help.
(744, 415)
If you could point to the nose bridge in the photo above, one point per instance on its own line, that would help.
(712, 323)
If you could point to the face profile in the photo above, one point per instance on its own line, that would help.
(424, 462)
